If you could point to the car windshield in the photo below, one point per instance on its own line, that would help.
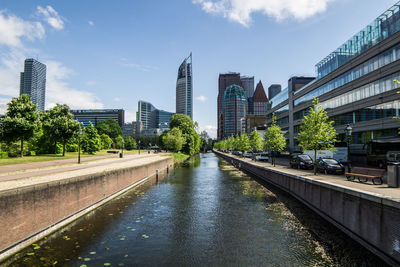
(305, 157)
(330, 161)
(264, 154)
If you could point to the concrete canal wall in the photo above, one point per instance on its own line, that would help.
(370, 219)
(32, 212)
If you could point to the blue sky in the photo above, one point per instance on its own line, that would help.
(110, 54)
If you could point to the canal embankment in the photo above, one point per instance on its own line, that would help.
(370, 216)
(33, 207)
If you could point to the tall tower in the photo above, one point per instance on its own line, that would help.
(184, 88)
(234, 109)
(33, 82)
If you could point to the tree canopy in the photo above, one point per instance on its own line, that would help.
(109, 127)
(316, 131)
(274, 140)
(255, 141)
(192, 142)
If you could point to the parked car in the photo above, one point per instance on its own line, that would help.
(330, 166)
(248, 154)
(237, 153)
(262, 157)
(301, 161)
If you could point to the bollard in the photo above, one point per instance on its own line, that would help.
(167, 168)
(157, 175)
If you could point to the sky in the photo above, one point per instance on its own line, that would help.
(111, 54)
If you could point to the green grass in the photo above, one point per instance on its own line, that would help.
(50, 157)
(178, 156)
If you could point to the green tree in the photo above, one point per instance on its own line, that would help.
(230, 143)
(59, 125)
(173, 140)
(105, 141)
(20, 121)
(274, 139)
(130, 143)
(91, 142)
(256, 143)
(316, 131)
(192, 142)
(109, 127)
(244, 143)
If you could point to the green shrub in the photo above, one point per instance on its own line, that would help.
(3, 155)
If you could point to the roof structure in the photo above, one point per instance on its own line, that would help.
(259, 94)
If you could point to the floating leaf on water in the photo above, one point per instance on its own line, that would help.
(133, 229)
(86, 259)
(67, 259)
(126, 255)
(93, 252)
(79, 258)
(121, 264)
(42, 258)
(83, 265)
(30, 253)
(54, 263)
(121, 212)
(80, 230)
(34, 244)
(145, 236)
(77, 246)
(122, 238)
(137, 220)
(37, 247)
(107, 264)
(110, 214)
(107, 248)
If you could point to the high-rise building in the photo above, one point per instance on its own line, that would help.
(160, 119)
(224, 80)
(234, 110)
(33, 82)
(144, 114)
(97, 115)
(260, 100)
(273, 90)
(248, 85)
(184, 88)
(128, 129)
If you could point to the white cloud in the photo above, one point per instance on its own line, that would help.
(130, 116)
(51, 16)
(125, 63)
(91, 23)
(201, 98)
(241, 10)
(59, 91)
(13, 28)
(91, 83)
(117, 99)
(210, 129)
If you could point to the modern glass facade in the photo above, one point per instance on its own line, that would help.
(381, 28)
(33, 82)
(144, 114)
(96, 115)
(234, 109)
(385, 58)
(279, 98)
(184, 88)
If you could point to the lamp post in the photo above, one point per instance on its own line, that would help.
(348, 131)
(79, 145)
(139, 147)
(122, 140)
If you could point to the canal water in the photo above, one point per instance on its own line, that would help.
(205, 213)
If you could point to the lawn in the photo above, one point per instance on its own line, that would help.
(178, 156)
(49, 157)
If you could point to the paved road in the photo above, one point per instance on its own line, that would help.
(54, 167)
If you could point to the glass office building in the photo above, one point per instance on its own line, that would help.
(184, 88)
(94, 116)
(33, 82)
(354, 84)
(234, 109)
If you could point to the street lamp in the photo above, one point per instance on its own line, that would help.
(139, 147)
(79, 145)
(348, 131)
(122, 154)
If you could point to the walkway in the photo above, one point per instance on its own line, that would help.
(381, 190)
(56, 172)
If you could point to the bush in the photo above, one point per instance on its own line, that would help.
(3, 155)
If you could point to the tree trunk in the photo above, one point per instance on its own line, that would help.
(63, 148)
(315, 162)
(22, 147)
(55, 147)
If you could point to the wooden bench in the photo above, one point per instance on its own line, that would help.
(363, 174)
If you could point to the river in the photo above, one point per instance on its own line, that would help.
(205, 213)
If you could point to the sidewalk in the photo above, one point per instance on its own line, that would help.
(382, 190)
(33, 176)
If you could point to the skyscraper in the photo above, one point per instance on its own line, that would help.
(224, 81)
(144, 114)
(234, 110)
(260, 100)
(33, 82)
(273, 90)
(184, 88)
(248, 85)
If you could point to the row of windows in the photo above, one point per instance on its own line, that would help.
(384, 26)
(386, 110)
(373, 64)
(279, 98)
(368, 90)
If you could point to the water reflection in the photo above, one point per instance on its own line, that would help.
(205, 213)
